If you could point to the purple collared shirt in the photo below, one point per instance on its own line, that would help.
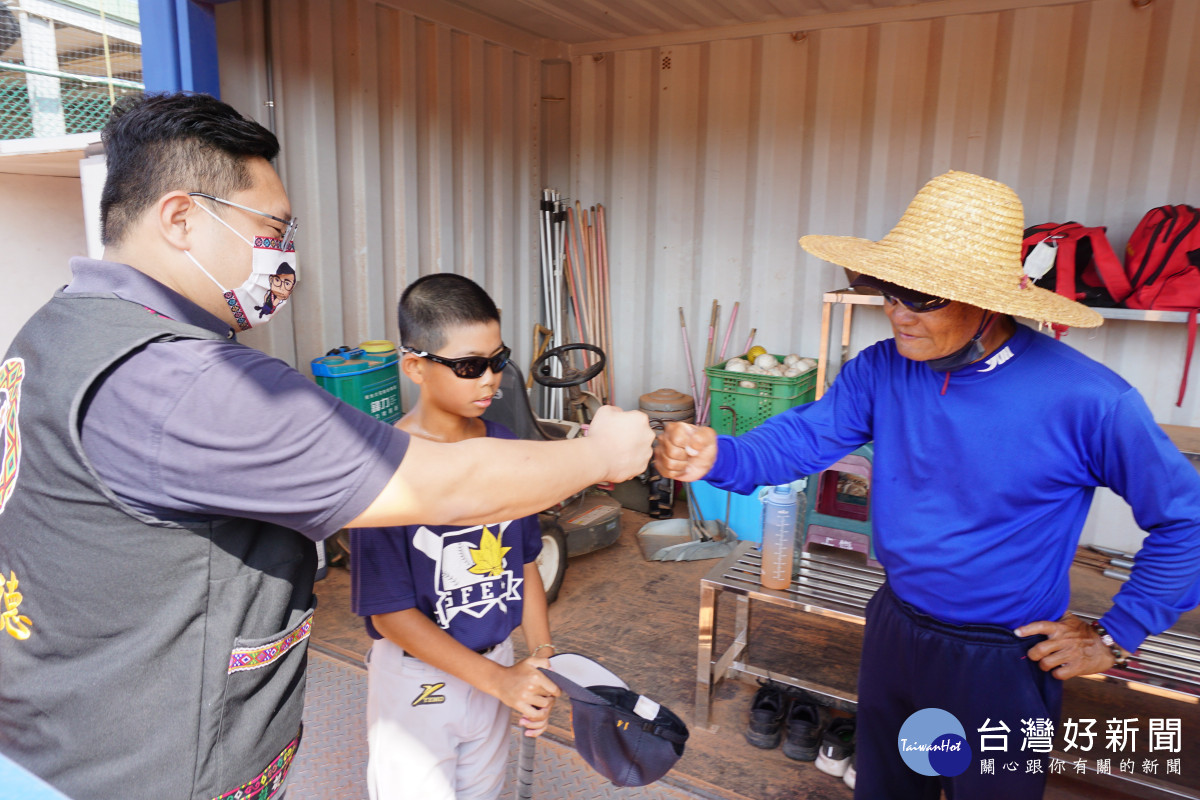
(201, 429)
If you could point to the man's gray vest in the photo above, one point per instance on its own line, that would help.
(138, 658)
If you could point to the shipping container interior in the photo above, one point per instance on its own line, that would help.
(418, 134)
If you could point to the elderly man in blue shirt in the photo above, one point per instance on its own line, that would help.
(990, 440)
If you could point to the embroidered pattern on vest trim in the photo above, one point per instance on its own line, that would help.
(266, 785)
(12, 372)
(245, 658)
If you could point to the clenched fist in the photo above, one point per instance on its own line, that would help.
(685, 452)
(623, 441)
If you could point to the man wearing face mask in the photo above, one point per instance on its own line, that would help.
(990, 439)
(157, 565)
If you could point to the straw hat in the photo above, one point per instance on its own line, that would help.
(960, 239)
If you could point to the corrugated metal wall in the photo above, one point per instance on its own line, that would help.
(412, 146)
(408, 148)
(714, 157)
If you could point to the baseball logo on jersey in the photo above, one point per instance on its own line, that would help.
(12, 372)
(472, 575)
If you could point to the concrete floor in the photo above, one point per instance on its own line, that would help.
(332, 762)
(640, 618)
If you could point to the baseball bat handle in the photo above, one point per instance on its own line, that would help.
(525, 766)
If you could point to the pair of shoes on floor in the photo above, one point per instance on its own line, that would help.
(777, 708)
(767, 710)
(836, 756)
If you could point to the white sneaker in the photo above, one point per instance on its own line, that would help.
(837, 745)
(851, 774)
(830, 765)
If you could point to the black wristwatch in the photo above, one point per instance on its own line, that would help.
(1106, 637)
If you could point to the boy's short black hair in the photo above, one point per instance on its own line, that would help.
(161, 143)
(432, 304)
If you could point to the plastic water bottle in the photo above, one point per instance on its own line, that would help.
(779, 537)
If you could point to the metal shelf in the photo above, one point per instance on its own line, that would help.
(1140, 315)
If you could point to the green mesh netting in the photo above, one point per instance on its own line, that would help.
(85, 107)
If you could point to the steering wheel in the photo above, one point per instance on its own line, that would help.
(571, 376)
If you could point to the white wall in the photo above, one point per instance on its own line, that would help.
(41, 225)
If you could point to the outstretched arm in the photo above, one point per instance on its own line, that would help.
(485, 479)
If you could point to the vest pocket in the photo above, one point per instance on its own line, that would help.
(263, 701)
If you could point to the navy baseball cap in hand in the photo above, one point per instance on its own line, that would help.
(626, 737)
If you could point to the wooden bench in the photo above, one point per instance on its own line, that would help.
(1167, 664)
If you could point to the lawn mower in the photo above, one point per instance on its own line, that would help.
(584, 522)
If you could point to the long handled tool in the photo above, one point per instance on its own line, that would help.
(525, 766)
(553, 221)
(728, 330)
(729, 494)
(687, 355)
(702, 409)
(605, 298)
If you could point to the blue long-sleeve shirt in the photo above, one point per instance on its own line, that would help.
(980, 493)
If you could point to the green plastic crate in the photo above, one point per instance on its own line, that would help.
(771, 395)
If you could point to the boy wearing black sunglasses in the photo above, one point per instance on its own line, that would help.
(441, 601)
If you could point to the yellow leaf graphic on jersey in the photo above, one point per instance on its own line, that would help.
(489, 556)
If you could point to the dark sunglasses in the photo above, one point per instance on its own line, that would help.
(471, 366)
(917, 306)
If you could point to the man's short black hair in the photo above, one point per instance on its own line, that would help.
(433, 304)
(161, 143)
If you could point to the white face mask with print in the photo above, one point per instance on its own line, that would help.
(269, 285)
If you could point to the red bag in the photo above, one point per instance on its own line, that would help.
(1085, 267)
(1162, 262)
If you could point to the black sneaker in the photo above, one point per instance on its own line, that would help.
(767, 711)
(803, 730)
(837, 746)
